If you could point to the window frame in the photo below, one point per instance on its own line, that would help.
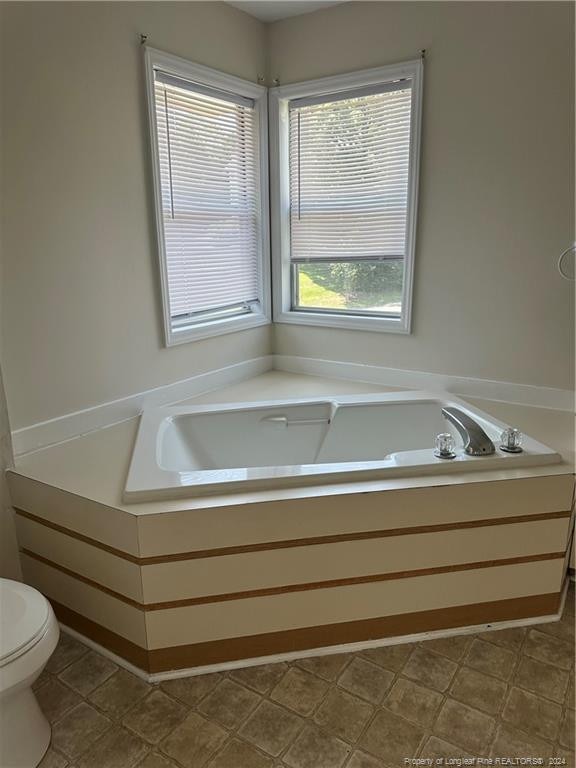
(279, 99)
(261, 315)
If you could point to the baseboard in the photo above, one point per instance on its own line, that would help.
(200, 658)
(71, 425)
(130, 653)
(157, 677)
(79, 423)
(501, 391)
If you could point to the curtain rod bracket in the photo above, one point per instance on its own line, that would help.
(276, 81)
(423, 53)
(260, 79)
(143, 39)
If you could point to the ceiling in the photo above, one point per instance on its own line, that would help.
(274, 10)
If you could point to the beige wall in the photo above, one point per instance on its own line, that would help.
(80, 314)
(496, 193)
(9, 560)
(82, 321)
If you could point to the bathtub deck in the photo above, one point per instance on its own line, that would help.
(176, 584)
(95, 466)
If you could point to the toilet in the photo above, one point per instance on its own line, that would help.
(28, 636)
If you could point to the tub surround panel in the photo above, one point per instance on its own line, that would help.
(300, 587)
(348, 581)
(84, 516)
(328, 514)
(414, 551)
(376, 557)
(337, 538)
(89, 601)
(80, 558)
(310, 638)
(313, 541)
(125, 649)
(83, 579)
(261, 615)
(244, 520)
(342, 633)
(384, 556)
(352, 536)
(177, 638)
(78, 536)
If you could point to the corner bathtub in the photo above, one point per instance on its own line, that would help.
(196, 450)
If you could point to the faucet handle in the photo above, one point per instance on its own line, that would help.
(511, 440)
(444, 446)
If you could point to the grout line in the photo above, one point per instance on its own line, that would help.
(510, 684)
(307, 721)
(372, 718)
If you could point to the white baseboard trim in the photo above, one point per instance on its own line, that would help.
(71, 425)
(501, 391)
(105, 652)
(158, 677)
(79, 423)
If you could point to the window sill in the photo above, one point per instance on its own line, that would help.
(357, 323)
(216, 328)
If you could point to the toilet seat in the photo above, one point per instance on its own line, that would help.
(28, 637)
(25, 616)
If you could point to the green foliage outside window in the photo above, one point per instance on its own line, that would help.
(360, 284)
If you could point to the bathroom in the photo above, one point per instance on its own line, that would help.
(286, 384)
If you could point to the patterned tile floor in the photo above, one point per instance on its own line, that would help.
(507, 693)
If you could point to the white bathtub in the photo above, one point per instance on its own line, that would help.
(195, 450)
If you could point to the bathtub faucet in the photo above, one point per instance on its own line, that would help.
(476, 441)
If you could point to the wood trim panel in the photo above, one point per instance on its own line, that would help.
(293, 543)
(309, 638)
(352, 581)
(305, 587)
(133, 653)
(218, 651)
(345, 537)
(83, 579)
(78, 536)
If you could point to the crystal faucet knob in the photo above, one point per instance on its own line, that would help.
(444, 446)
(511, 440)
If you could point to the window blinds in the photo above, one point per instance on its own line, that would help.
(208, 155)
(349, 171)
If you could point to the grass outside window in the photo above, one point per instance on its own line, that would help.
(368, 286)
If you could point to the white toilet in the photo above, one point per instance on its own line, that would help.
(28, 636)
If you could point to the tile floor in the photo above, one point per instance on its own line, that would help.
(504, 693)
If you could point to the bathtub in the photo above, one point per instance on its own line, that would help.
(196, 450)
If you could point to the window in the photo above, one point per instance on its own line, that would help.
(345, 154)
(345, 169)
(210, 174)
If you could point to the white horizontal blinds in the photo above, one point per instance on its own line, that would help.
(349, 170)
(208, 152)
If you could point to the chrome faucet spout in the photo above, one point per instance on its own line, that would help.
(476, 441)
